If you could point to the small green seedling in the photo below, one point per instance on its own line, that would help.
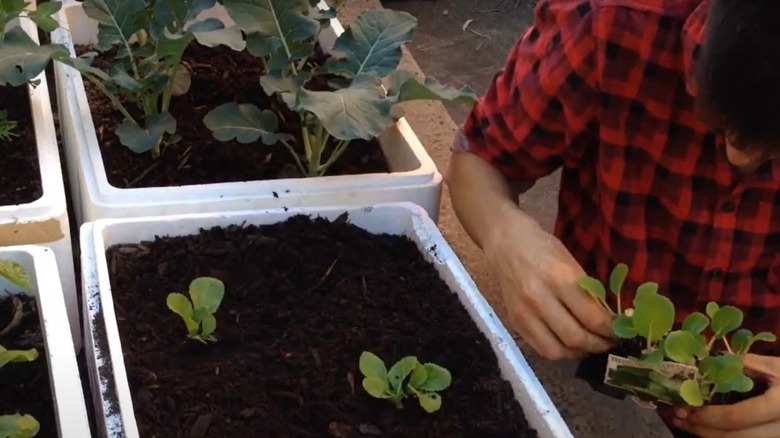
(424, 380)
(198, 315)
(18, 426)
(652, 319)
(7, 127)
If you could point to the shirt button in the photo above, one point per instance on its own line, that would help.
(728, 207)
(717, 274)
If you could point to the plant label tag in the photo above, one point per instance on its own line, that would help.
(649, 383)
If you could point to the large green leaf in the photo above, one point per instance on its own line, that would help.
(371, 45)
(175, 14)
(404, 86)
(117, 20)
(21, 60)
(359, 111)
(244, 123)
(274, 25)
(681, 346)
(212, 33)
(42, 16)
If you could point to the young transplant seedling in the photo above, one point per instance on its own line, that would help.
(6, 127)
(206, 294)
(18, 425)
(704, 372)
(150, 38)
(283, 35)
(425, 381)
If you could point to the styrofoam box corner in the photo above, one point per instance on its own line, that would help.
(64, 377)
(413, 177)
(393, 218)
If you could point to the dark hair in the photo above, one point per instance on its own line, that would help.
(738, 72)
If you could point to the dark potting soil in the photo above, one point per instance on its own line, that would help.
(219, 75)
(303, 299)
(20, 175)
(24, 386)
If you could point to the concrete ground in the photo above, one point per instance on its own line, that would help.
(443, 49)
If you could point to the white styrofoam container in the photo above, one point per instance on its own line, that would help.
(45, 221)
(413, 177)
(64, 378)
(105, 358)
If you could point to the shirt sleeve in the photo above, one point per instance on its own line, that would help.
(540, 110)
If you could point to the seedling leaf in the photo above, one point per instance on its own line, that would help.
(741, 341)
(690, 392)
(765, 337)
(8, 356)
(654, 357)
(143, 139)
(695, 323)
(207, 293)
(182, 306)
(19, 426)
(644, 289)
(439, 378)
(681, 346)
(653, 315)
(15, 273)
(399, 372)
(712, 308)
(372, 366)
(430, 401)
(618, 278)
(623, 327)
(42, 16)
(725, 320)
(594, 287)
(376, 387)
(418, 377)
(371, 44)
(118, 20)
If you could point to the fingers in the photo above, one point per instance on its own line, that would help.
(539, 336)
(567, 328)
(767, 430)
(588, 312)
(764, 366)
(752, 412)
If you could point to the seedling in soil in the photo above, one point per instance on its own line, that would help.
(283, 35)
(206, 294)
(18, 425)
(147, 70)
(651, 320)
(7, 127)
(15, 273)
(425, 381)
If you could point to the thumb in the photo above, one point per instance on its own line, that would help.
(767, 367)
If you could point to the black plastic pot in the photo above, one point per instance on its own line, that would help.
(591, 369)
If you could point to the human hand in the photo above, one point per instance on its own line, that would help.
(538, 279)
(757, 417)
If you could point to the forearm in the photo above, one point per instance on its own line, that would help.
(482, 198)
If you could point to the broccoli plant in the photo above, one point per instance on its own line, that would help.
(407, 377)
(18, 425)
(652, 318)
(283, 35)
(147, 71)
(21, 58)
(206, 295)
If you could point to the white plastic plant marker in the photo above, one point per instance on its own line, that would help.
(413, 177)
(64, 378)
(105, 359)
(45, 221)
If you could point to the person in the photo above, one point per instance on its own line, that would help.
(663, 117)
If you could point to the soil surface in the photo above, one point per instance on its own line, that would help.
(219, 75)
(24, 386)
(303, 300)
(20, 175)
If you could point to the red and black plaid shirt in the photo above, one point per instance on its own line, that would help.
(603, 89)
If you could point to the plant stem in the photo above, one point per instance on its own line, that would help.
(295, 157)
(728, 346)
(117, 104)
(341, 146)
(710, 343)
(619, 307)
